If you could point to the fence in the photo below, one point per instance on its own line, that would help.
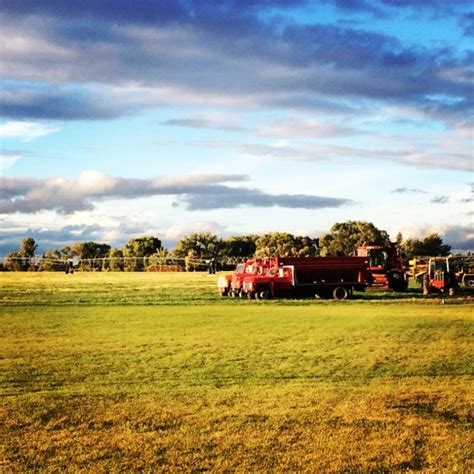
(153, 263)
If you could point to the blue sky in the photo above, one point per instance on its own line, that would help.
(121, 119)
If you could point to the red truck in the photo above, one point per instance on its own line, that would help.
(335, 277)
(387, 266)
(231, 284)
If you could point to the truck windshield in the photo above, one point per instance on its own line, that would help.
(378, 258)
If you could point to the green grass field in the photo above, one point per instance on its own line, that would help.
(155, 372)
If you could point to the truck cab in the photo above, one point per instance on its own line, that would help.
(386, 266)
(276, 280)
(231, 284)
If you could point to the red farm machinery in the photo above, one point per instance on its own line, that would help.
(335, 277)
(386, 265)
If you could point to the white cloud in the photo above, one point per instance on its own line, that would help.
(9, 158)
(460, 237)
(176, 232)
(199, 192)
(25, 131)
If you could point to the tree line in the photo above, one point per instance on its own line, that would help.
(194, 251)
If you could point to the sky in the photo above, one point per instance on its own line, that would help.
(122, 119)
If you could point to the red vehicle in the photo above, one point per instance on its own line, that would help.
(231, 284)
(386, 265)
(310, 276)
(441, 276)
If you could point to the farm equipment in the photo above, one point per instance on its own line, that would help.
(418, 267)
(446, 274)
(231, 284)
(309, 276)
(386, 266)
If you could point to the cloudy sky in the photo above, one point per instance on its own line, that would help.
(121, 119)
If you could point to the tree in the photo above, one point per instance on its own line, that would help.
(15, 262)
(306, 246)
(399, 240)
(136, 250)
(240, 247)
(283, 244)
(66, 252)
(432, 245)
(275, 244)
(161, 260)
(91, 254)
(344, 238)
(52, 261)
(28, 247)
(114, 262)
(21, 261)
(199, 245)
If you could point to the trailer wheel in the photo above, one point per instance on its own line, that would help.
(340, 293)
(469, 282)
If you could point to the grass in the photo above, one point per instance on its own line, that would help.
(120, 372)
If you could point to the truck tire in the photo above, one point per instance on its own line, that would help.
(264, 294)
(397, 282)
(469, 282)
(340, 293)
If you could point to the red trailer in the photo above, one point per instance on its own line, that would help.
(335, 277)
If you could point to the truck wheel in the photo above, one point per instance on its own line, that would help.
(340, 293)
(469, 282)
(265, 295)
(396, 282)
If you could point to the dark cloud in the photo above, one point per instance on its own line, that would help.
(471, 197)
(32, 195)
(467, 23)
(123, 57)
(239, 197)
(440, 200)
(26, 101)
(141, 11)
(48, 239)
(408, 190)
(461, 238)
(384, 8)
